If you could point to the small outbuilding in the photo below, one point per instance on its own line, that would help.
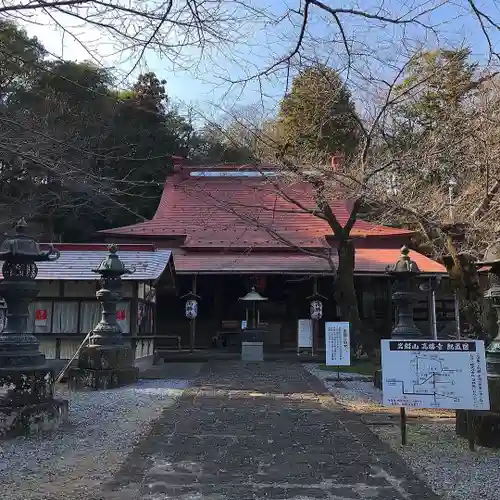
(66, 308)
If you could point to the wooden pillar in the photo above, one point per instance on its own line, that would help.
(389, 307)
(134, 307)
(315, 325)
(192, 323)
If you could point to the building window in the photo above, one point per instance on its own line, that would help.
(65, 317)
(90, 313)
(40, 316)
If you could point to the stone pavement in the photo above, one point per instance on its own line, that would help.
(269, 430)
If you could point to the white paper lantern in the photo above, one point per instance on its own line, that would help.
(316, 309)
(191, 309)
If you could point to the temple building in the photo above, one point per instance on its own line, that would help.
(230, 230)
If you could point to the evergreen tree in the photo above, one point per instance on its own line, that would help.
(318, 117)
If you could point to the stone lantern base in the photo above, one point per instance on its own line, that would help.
(103, 367)
(27, 403)
(486, 424)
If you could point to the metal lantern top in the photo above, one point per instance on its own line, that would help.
(404, 264)
(21, 248)
(253, 296)
(491, 256)
(112, 265)
(491, 259)
(190, 296)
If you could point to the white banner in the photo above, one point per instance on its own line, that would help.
(338, 344)
(305, 333)
(435, 374)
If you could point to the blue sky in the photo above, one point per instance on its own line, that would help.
(257, 45)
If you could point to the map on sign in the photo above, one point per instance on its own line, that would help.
(338, 344)
(435, 374)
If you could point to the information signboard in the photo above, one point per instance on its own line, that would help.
(338, 344)
(305, 333)
(435, 374)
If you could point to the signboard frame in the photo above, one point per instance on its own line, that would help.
(305, 334)
(440, 369)
(343, 343)
(436, 375)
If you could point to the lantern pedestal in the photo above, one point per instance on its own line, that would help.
(252, 345)
(486, 424)
(27, 403)
(252, 339)
(103, 367)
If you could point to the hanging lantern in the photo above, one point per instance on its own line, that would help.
(316, 309)
(191, 308)
(191, 305)
(316, 304)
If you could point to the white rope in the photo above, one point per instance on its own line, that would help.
(61, 374)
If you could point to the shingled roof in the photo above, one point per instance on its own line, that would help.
(240, 212)
(233, 219)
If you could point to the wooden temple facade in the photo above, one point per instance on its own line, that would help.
(229, 229)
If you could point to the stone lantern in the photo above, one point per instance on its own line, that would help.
(27, 401)
(491, 259)
(403, 272)
(107, 361)
(252, 337)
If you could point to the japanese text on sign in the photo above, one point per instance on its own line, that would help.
(435, 374)
(338, 344)
(432, 346)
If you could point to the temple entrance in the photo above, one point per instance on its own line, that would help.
(218, 325)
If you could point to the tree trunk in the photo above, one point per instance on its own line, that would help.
(464, 280)
(345, 292)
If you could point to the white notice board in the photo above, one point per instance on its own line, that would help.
(305, 333)
(435, 374)
(338, 343)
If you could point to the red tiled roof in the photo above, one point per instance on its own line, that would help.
(220, 211)
(368, 260)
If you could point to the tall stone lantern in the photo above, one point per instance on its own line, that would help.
(27, 401)
(491, 259)
(107, 361)
(403, 272)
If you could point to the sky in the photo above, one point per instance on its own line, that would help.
(263, 31)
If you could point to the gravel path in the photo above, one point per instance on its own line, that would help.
(103, 429)
(434, 452)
